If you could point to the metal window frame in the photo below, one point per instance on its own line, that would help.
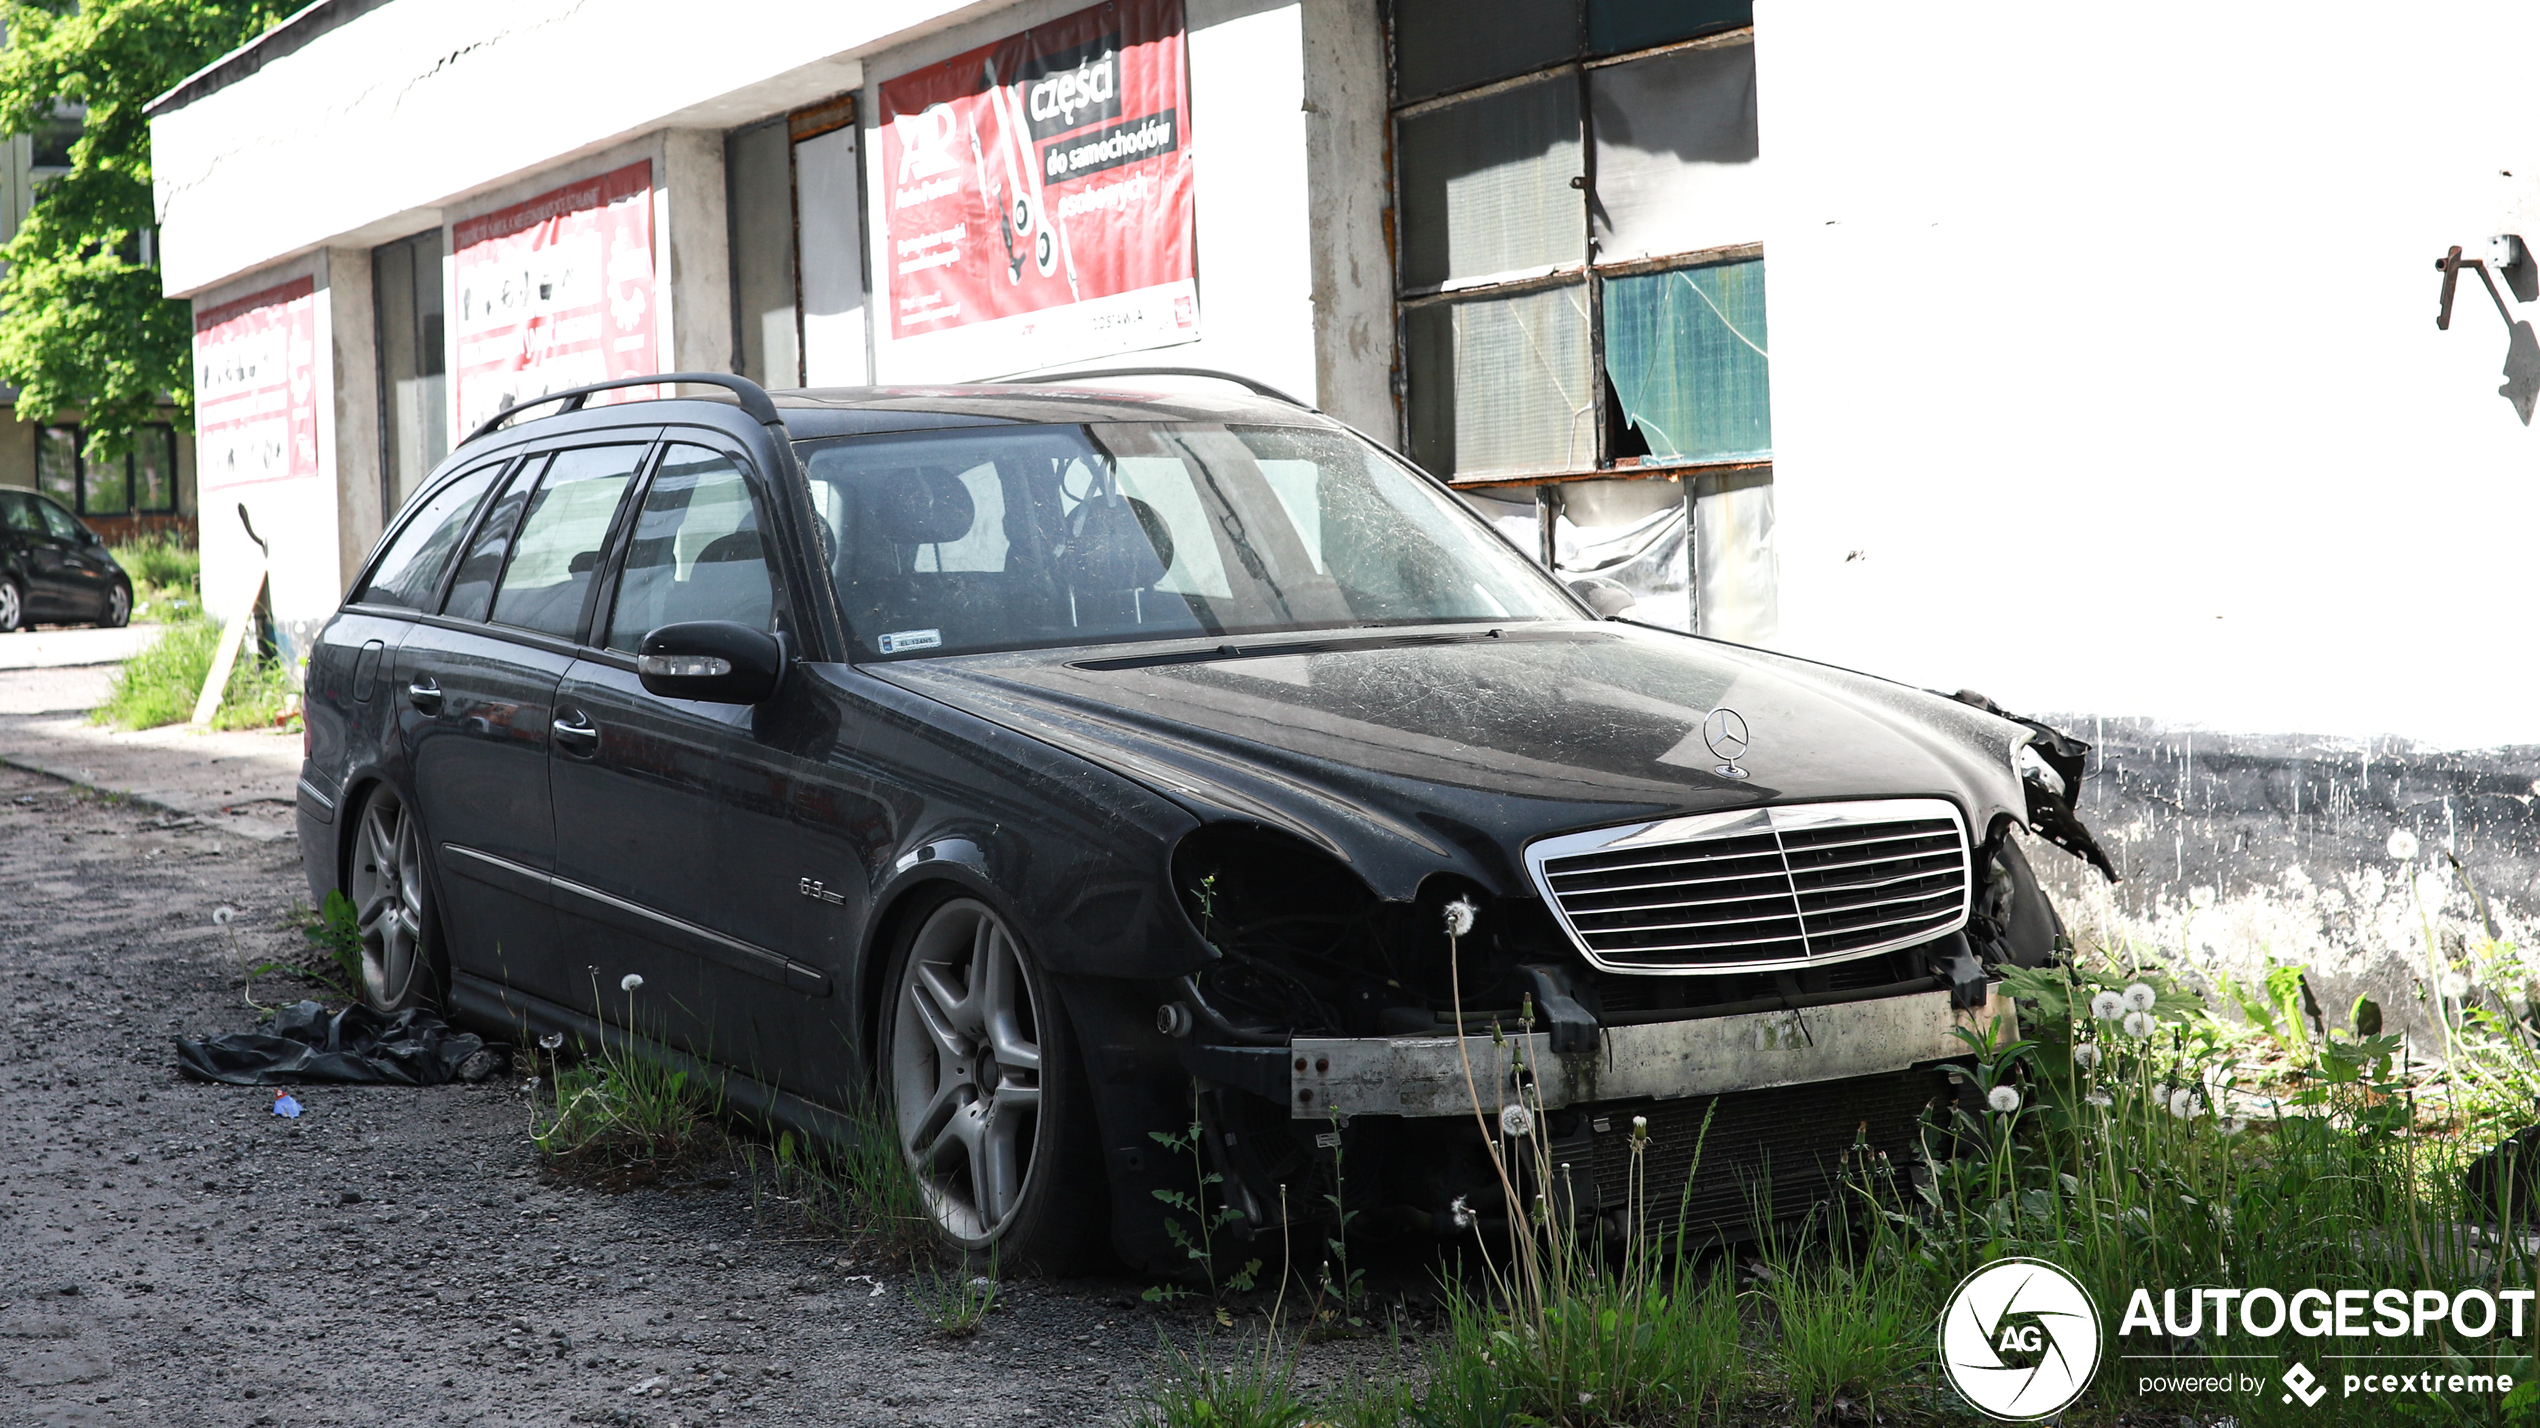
(1588, 271)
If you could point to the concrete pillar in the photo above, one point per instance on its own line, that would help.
(352, 318)
(1346, 200)
(694, 252)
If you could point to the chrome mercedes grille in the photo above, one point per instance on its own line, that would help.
(1759, 890)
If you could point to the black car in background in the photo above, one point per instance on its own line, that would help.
(54, 570)
(1060, 762)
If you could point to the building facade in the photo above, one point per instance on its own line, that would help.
(2106, 379)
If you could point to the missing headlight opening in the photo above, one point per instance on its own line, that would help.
(1783, 986)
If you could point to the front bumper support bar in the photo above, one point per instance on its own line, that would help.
(1425, 1075)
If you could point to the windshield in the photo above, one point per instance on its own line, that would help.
(1001, 538)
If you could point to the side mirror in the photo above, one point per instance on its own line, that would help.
(716, 661)
(1606, 597)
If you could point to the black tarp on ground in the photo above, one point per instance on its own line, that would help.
(356, 1046)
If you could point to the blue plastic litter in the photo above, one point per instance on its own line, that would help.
(283, 1105)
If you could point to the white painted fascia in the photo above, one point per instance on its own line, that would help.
(370, 130)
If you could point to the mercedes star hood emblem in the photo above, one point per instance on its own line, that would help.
(1724, 729)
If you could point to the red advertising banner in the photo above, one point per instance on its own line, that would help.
(556, 292)
(255, 387)
(1038, 197)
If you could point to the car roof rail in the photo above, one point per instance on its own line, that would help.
(753, 397)
(1258, 388)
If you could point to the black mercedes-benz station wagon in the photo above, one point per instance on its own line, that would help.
(1057, 763)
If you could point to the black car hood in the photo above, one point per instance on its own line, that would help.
(1406, 753)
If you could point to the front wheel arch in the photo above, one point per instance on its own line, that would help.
(1058, 1220)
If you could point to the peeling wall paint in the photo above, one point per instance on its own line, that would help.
(2242, 852)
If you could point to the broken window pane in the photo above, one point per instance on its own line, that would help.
(1676, 153)
(1690, 360)
(1443, 45)
(1615, 26)
(1486, 185)
(1501, 384)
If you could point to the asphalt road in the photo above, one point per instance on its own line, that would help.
(173, 1253)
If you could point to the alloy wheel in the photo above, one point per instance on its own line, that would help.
(118, 607)
(966, 1070)
(387, 889)
(12, 606)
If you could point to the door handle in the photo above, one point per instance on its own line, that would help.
(425, 696)
(576, 734)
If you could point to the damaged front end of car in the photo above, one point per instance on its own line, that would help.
(1703, 1016)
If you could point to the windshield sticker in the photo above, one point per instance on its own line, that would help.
(907, 640)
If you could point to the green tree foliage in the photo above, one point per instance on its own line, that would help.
(82, 321)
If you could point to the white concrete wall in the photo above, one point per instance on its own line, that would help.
(2106, 377)
(365, 133)
(300, 518)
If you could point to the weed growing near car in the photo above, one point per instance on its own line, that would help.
(167, 577)
(159, 685)
(622, 1114)
(855, 1187)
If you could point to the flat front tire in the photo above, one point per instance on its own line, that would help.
(992, 1112)
(391, 896)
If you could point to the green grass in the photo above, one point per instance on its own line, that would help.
(855, 1189)
(620, 1114)
(159, 685)
(167, 578)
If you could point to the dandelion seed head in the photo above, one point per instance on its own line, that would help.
(2086, 1056)
(2200, 898)
(1516, 1122)
(552, 1040)
(2100, 1099)
(223, 915)
(2455, 986)
(1459, 916)
(2139, 996)
(2232, 1125)
(2186, 1104)
(630, 981)
(2402, 845)
(2108, 1006)
(2138, 1023)
(1462, 1212)
(2005, 1099)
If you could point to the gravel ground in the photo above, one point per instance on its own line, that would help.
(174, 1253)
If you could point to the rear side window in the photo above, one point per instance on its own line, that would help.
(408, 577)
(560, 539)
(697, 552)
(62, 523)
(18, 513)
